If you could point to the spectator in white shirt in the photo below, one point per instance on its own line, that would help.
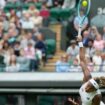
(26, 22)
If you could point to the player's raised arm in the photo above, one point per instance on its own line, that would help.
(83, 59)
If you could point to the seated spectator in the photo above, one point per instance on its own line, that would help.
(23, 61)
(5, 46)
(85, 38)
(5, 23)
(72, 50)
(17, 48)
(13, 16)
(44, 12)
(41, 46)
(27, 37)
(12, 34)
(62, 65)
(90, 49)
(99, 43)
(7, 54)
(103, 33)
(32, 10)
(69, 4)
(75, 67)
(97, 60)
(30, 54)
(38, 55)
(37, 20)
(1, 30)
(49, 3)
(93, 32)
(2, 4)
(26, 22)
(13, 65)
(2, 63)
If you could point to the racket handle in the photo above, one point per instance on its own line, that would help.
(79, 31)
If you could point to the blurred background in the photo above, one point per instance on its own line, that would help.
(39, 36)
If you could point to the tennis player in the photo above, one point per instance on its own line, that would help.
(89, 91)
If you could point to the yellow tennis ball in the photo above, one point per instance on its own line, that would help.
(84, 3)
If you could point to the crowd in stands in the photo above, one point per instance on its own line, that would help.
(22, 45)
(94, 42)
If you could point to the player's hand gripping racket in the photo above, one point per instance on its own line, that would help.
(86, 12)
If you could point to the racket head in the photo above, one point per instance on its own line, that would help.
(85, 10)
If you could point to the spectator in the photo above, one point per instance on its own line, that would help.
(69, 4)
(75, 67)
(13, 16)
(49, 3)
(41, 46)
(7, 55)
(85, 38)
(23, 61)
(1, 30)
(44, 12)
(32, 10)
(26, 22)
(37, 20)
(6, 46)
(72, 50)
(99, 43)
(97, 60)
(103, 33)
(62, 65)
(12, 34)
(90, 49)
(93, 32)
(2, 4)
(13, 66)
(27, 37)
(30, 54)
(17, 48)
(5, 23)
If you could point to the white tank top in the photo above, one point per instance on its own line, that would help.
(87, 98)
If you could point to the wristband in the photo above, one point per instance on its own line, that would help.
(80, 44)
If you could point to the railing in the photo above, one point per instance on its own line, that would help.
(54, 68)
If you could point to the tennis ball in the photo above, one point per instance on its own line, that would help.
(84, 3)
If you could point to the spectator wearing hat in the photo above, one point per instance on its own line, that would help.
(73, 50)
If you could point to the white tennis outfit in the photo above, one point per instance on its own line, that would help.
(87, 98)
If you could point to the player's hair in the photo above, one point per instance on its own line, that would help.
(100, 81)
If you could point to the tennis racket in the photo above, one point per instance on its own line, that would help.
(86, 12)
